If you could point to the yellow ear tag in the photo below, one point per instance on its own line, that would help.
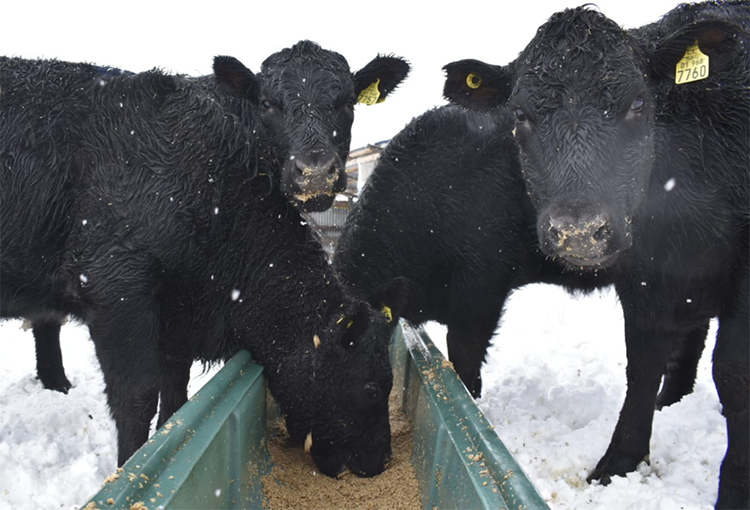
(388, 314)
(371, 95)
(474, 81)
(692, 67)
(350, 324)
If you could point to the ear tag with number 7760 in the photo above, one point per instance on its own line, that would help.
(692, 67)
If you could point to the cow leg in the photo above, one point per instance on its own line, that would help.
(630, 440)
(125, 340)
(467, 349)
(732, 378)
(49, 364)
(174, 382)
(471, 325)
(132, 395)
(679, 378)
(132, 389)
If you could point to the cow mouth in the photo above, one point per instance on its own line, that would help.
(368, 471)
(306, 197)
(334, 465)
(314, 202)
(364, 461)
(587, 263)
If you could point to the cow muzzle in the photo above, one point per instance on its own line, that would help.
(363, 463)
(588, 240)
(312, 182)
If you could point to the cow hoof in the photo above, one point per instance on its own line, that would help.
(615, 465)
(63, 385)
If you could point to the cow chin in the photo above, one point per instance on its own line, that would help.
(587, 264)
(331, 462)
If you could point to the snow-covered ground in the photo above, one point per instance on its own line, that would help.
(56, 450)
(553, 387)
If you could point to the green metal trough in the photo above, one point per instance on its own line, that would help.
(213, 452)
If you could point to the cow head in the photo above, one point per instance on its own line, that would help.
(584, 97)
(342, 408)
(305, 97)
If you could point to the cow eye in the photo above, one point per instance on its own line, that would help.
(520, 116)
(373, 392)
(346, 102)
(266, 104)
(637, 105)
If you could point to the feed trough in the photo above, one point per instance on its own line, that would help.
(213, 453)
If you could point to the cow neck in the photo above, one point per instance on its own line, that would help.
(288, 288)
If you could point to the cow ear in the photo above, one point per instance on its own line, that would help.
(718, 40)
(393, 298)
(236, 79)
(354, 325)
(379, 78)
(476, 85)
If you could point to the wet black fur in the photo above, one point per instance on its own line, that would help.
(446, 208)
(587, 142)
(602, 126)
(147, 207)
(306, 97)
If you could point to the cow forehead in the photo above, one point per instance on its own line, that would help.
(578, 54)
(304, 58)
(318, 78)
(308, 83)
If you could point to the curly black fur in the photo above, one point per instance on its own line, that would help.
(149, 207)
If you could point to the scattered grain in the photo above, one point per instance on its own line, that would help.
(295, 482)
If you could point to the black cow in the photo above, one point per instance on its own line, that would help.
(446, 208)
(639, 176)
(307, 96)
(149, 207)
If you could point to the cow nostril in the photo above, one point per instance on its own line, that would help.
(299, 168)
(556, 232)
(332, 170)
(602, 233)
